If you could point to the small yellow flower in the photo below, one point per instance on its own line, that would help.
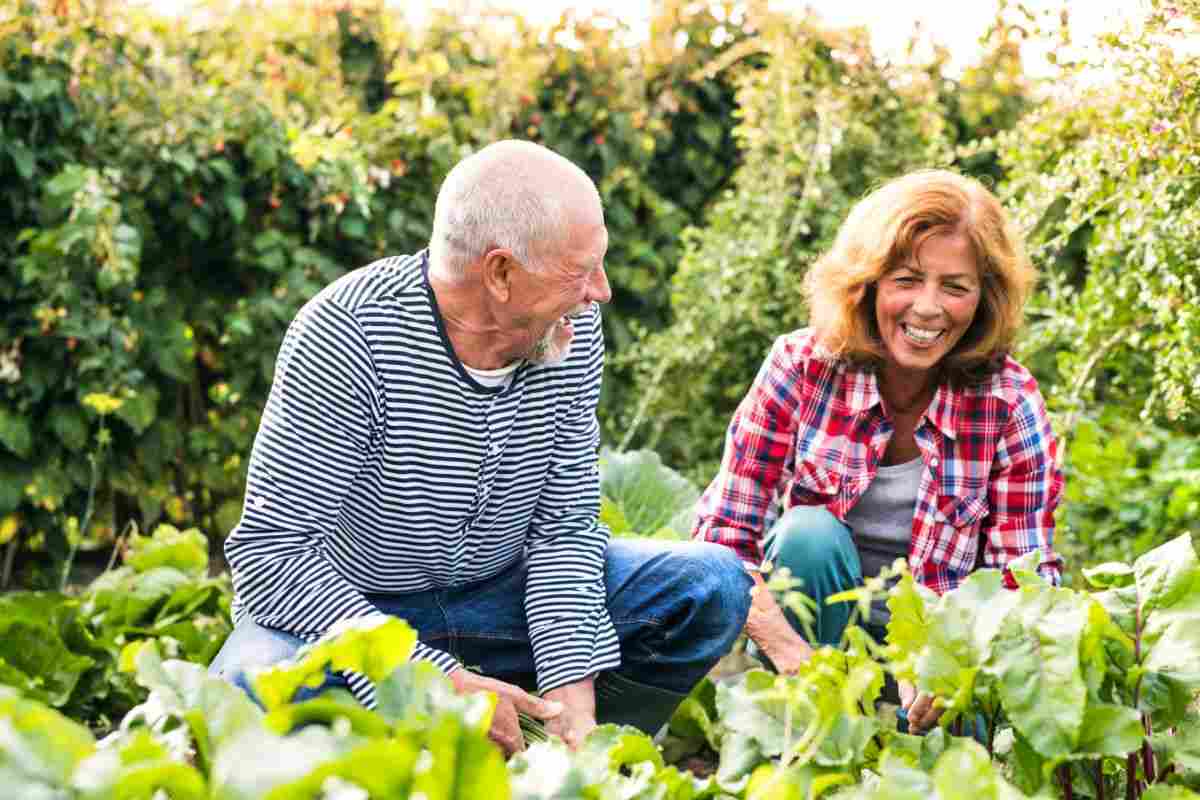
(8, 528)
(102, 404)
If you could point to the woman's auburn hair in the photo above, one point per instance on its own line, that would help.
(883, 231)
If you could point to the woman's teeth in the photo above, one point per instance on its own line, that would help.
(921, 335)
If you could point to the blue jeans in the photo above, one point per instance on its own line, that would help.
(677, 608)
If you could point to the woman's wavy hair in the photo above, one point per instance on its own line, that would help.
(884, 230)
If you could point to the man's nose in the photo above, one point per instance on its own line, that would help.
(598, 289)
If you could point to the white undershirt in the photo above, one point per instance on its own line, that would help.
(491, 378)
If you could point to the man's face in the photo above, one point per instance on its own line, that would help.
(570, 279)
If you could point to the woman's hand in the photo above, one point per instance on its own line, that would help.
(771, 631)
(923, 709)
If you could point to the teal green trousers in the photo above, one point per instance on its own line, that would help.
(818, 550)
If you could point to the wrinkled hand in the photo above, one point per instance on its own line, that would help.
(506, 727)
(923, 709)
(579, 712)
(773, 634)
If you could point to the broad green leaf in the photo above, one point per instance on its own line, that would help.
(464, 764)
(757, 706)
(186, 551)
(1180, 746)
(647, 494)
(40, 749)
(256, 762)
(615, 746)
(546, 770)
(417, 691)
(796, 782)
(1024, 569)
(15, 433)
(33, 655)
(908, 625)
(1109, 575)
(695, 719)
(381, 768)
(847, 741)
(123, 597)
(139, 768)
(966, 772)
(1029, 769)
(1160, 791)
(140, 410)
(962, 626)
(213, 710)
(899, 781)
(328, 711)
(1110, 730)
(70, 426)
(371, 646)
(1168, 585)
(1036, 666)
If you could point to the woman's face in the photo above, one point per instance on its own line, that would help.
(924, 307)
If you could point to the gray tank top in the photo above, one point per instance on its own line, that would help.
(881, 521)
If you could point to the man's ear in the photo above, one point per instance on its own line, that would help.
(498, 272)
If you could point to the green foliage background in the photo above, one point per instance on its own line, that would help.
(177, 188)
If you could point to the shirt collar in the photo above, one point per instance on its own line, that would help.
(942, 412)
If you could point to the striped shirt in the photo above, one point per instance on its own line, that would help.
(812, 431)
(381, 466)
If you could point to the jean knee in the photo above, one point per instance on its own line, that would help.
(725, 586)
(806, 535)
(251, 647)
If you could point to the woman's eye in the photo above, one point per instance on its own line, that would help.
(958, 291)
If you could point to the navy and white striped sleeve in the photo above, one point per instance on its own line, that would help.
(569, 626)
(322, 419)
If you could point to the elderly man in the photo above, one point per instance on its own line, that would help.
(428, 451)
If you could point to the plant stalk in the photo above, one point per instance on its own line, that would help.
(1064, 777)
(88, 511)
(1100, 779)
(1131, 779)
(10, 555)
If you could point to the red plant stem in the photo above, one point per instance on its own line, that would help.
(958, 726)
(1064, 777)
(1100, 779)
(1147, 750)
(1131, 779)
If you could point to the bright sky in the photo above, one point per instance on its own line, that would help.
(957, 24)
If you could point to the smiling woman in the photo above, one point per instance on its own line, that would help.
(897, 425)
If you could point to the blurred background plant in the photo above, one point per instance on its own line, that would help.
(179, 186)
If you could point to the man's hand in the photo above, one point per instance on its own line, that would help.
(506, 728)
(923, 709)
(771, 631)
(579, 712)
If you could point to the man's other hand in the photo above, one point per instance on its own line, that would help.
(579, 712)
(506, 727)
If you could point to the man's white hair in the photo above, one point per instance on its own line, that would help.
(511, 194)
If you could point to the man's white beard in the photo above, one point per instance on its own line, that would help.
(552, 349)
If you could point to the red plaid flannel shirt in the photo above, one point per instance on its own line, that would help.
(812, 431)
